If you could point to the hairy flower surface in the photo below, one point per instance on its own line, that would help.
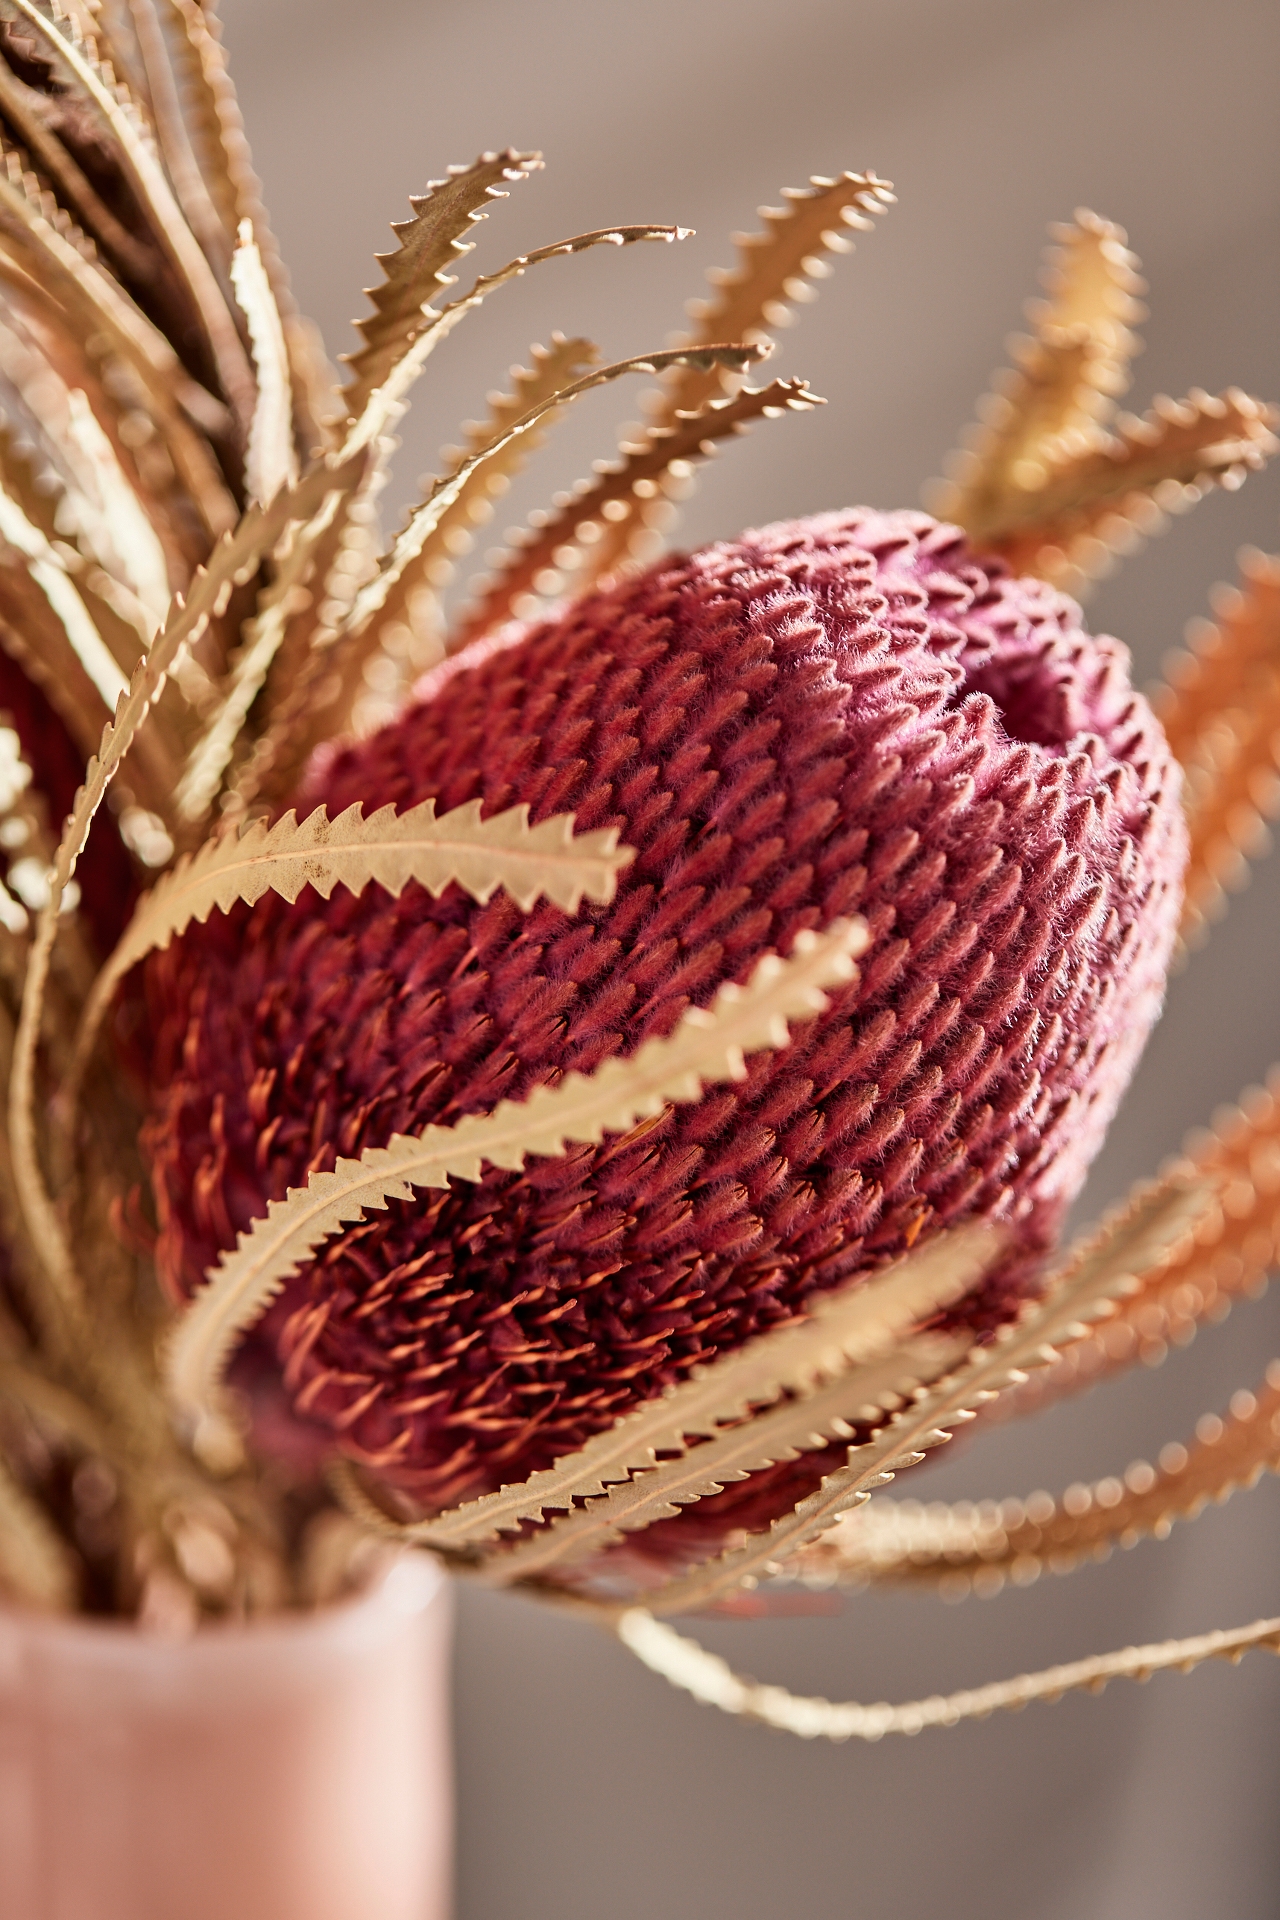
(846, 715)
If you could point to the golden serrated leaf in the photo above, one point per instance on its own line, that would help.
(306, 720)
(775, 268)
(236, 558)
(553, 369)
(480, 855)
(1084, 1291)
(1064, 381)
(857, 1333)
(1221, 712)
(428, 245)
(981, 1544)
(270, 459)
(21, 106)
(588, 538)
(94, 88)
(1102, 499)
(1237, 1244)
(706, 1047)
(386, 402)
(36, 256)
(712, 1681)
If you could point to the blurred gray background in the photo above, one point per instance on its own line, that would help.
(586, 1787)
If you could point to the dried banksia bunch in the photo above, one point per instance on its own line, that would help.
(589, 1082)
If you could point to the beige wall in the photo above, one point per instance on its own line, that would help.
(588, 1791)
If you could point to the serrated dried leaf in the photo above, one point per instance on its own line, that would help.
(1221, 713)
(1234, 1248)
(855, 1335)
(386, 403)
(705, 1047)
(775, 269)
(480, 855)
(980, 1544)
(235, 558)
(763, 1439)
(270, 459)
(589, 537)
(38, 259)
(95, 88)
(401, 617)
(1064, 382)
(712, 1681)
(1084, 1290)
(428, 245)
(22, 107)
(313, 718)
(1100, 500)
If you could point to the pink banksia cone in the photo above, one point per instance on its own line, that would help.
(850, 715)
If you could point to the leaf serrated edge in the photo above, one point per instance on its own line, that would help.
(1085, 1290)
(978, 1545)
(860, 1325)
(481, 855)
(575, 534)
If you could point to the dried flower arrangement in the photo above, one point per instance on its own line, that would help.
(590, 1085)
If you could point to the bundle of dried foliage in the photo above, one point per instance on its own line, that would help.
(194, 595)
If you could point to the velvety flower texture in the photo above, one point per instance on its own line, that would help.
(843, 715)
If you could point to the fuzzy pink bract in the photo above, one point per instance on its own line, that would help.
(845, 715)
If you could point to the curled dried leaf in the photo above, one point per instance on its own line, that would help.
(712, 1681)
(432, 241)
(480, 855)
(775, 270)
(1221, 712)
(980, 1544)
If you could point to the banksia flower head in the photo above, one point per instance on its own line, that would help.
(835, 717)
(588, 1080)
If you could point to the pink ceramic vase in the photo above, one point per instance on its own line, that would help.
(296, 1769)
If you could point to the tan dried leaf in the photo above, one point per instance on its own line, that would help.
(767, 1399)
(403, 617)
(309, 717)
(1064, 382)
(589, 538)
(1103, 499)
(1080, 1293)
(1221, 711)
(710, 1679)
(706, 1046)
(40, 262)
(428, 245)
(480, 855)
(234, 560)
(775, 270)
(386, 403)
(270, 459)
(117, 119)
(1236, 1245)
(981, 1544)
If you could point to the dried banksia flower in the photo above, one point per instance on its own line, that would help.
(610, 1103)
(842, 716)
